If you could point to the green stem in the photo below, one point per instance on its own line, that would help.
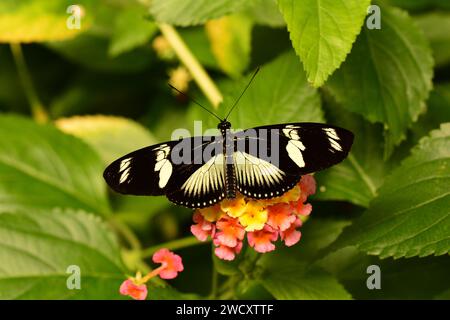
(37, 108)
(172, 245)
(191, 63)
(214, 283)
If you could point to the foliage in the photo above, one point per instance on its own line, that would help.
(102, 91)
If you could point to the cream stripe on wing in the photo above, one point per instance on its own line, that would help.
(210, 176)
(251, 170)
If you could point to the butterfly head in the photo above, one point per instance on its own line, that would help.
(224, 125)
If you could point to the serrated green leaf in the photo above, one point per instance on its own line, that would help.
(387, 77)
(322, 32)
(292, 281)
(38, 21)
(230, 39)
(435, 26)
(192, 12)
(131, 30)
(112, 137)
(411, 215)
(37, 248)
(40, 167)
(357, 178)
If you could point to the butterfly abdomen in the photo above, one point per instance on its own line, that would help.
(230, 174)
(230, 181)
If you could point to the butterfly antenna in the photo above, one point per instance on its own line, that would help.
(248, 85)
(195, 101)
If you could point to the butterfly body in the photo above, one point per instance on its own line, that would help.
(262, 162)
(230, 175)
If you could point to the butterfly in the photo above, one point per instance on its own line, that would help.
(261, 163)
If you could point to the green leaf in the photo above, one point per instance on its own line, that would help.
(290, 273)
(287, 280)
(38, 21)
(414, 278)
(438, 111)
(168, 293)
(280, 93)
(387, 77)
(40, 167)
(443, 295)
(411, 215)
(317, 235)
(322, 32)
(38, 247)
(435, 26)
(131, 30)
(420, 5)
(112, 137)
(265, 12)
(252, 290)
(192, 12)
(400, 279)
(230, 39)
(357, 178)
(197, 41)
(91, 51)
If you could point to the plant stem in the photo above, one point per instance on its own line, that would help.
(172, 245)
(214, 283)
(191, 63)
(37, 108)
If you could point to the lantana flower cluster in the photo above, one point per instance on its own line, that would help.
(262, 221)
(136, 287)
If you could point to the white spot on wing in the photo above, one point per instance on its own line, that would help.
(333, 138)
(294, 149)
(124, 175)
(164, 173)
(124, 169)
(163, 165)
(331, 133)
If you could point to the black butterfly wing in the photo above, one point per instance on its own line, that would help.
(192, 180)
(135, 172)
(311, 147)
(285, 152)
